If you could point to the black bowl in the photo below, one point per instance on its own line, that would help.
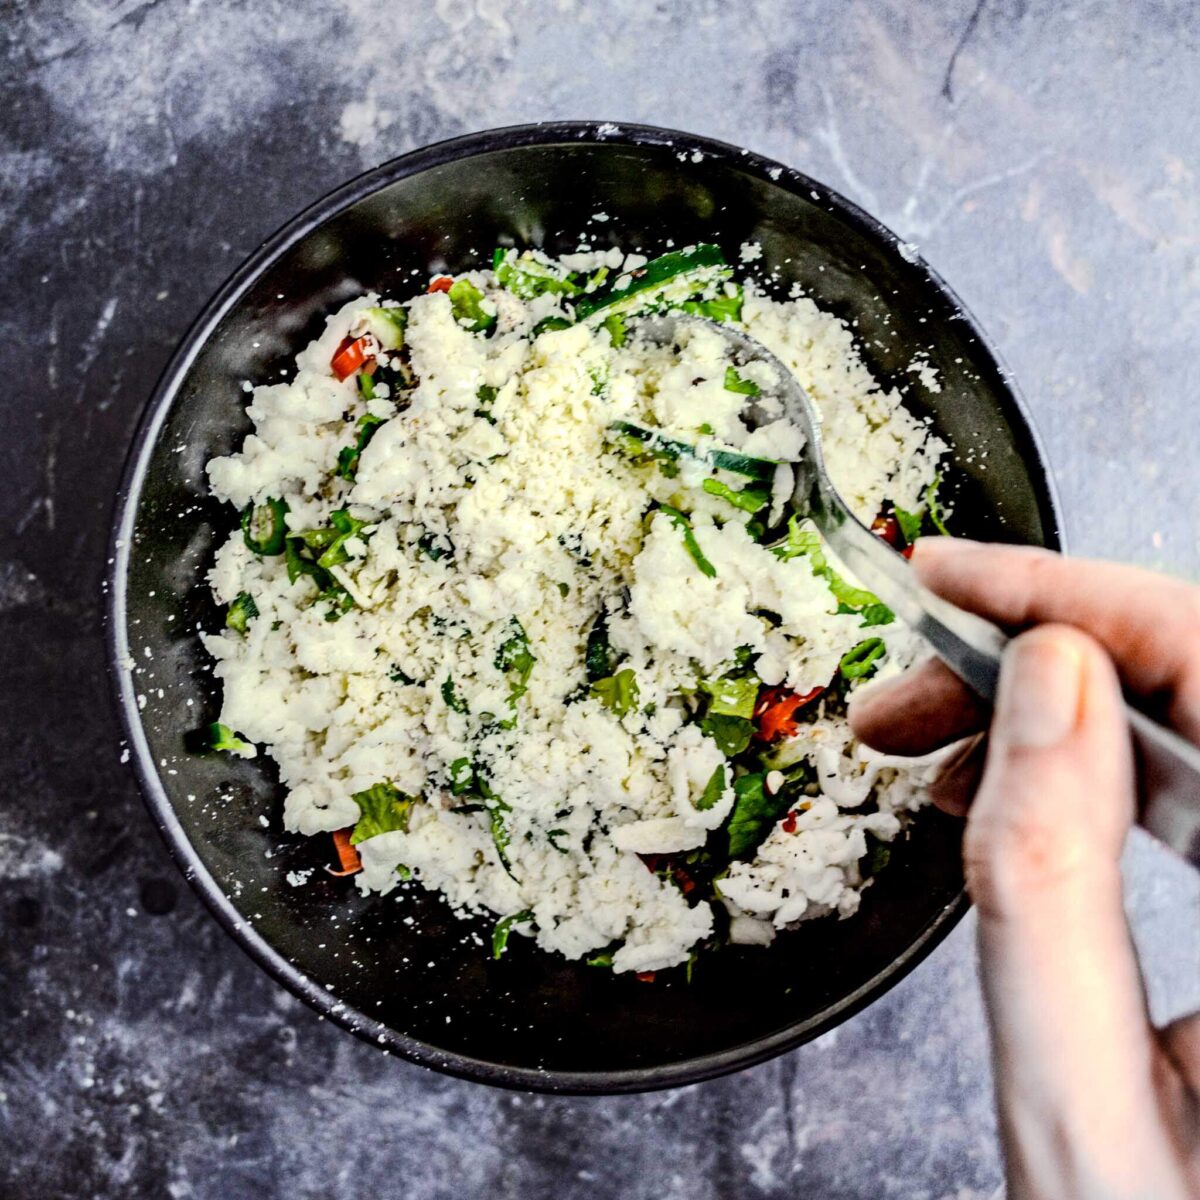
(427, 990)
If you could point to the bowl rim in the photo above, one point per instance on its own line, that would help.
(674, 1074)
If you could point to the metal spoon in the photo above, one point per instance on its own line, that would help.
(1168, 766)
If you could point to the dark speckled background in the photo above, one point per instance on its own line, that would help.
(1043, 156)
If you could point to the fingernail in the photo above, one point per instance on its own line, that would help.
(1041, 685)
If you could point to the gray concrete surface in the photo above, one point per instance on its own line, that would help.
(1043, 156)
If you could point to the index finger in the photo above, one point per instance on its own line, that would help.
(1148, 623)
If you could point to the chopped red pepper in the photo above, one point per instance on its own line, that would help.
(442, 283)
(776, 711)
(789, 822)
(350, 356)
(646, 976)
(888, 528)
(348, 856)
(907, 551)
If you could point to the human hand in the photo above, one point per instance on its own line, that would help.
(1093, 1101)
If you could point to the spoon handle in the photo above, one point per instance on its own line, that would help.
(1168, 767)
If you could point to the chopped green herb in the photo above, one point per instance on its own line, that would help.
(241, 612)
(382, 809)
(504, 927)
(339, 600)
(527, 276)
(706, 430)
(221, 737)
(366, 386)
(806, 542)
(615, 324)
(878, 855)
(714, 789)
(466, 302)
(263, 527)
(748, 499)
(910, 524)
(564, 589)
(732, 734)
(516, 660)
(348, 456)
(552, 837)
(937, 514)
(603, 959)
(754, 813)
(435, 546)
(453, 700)
(496, 808)
(598, 655)
(724, 307)
(462, 777)
(863, 660)
(735, 383)
(732, 695)
(404, 872)
(618, 693)
(396, 675)
(689, 539)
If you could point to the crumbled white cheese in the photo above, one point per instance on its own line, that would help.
(525, 508)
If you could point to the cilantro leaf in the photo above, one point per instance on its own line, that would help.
(735, 383)
(732, 734)
(348, 456)
(383, 810)
(806, 542)
(878, 855)
(910, 524)
(453, 700)
(732, 695)
(618, 693)
(501, 838)
(714, 789)
(615, 324)
(937, 514)
(689, 539)
(515, 658)
(221, 737)
(598, 654)
(720, 308)
(754, 813)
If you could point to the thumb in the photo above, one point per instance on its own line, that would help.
(1070, 1033)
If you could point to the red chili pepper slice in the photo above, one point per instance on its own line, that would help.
(442, 283)
(776, 711)
(907, 551)
(350, 356)
(887, 527)
(646, 976)
(789, 822)
(347, 855)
